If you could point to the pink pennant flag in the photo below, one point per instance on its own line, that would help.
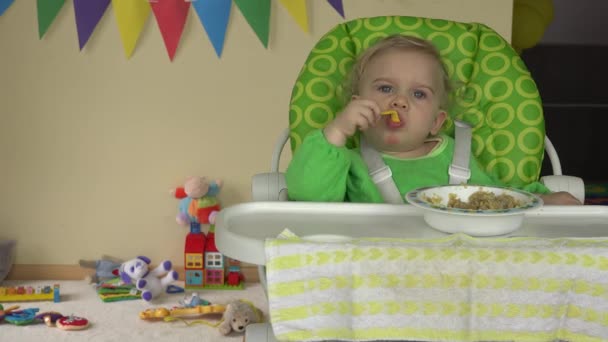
(171, 16)
(338, 6)
(88, 13)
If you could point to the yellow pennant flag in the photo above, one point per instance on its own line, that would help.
(297, 9)
(131, 15)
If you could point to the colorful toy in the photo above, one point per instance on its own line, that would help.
(204, 264)
(198, 202)
(21, 317)
(148, 281)
(157, 314)
(49, 317)
(72, 323)
(235, 277)
(4, 312)
(28, 293)
(193, 300)
(105, 268)
(238, 315)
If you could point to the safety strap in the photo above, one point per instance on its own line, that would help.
(459, 169)
(380, 173)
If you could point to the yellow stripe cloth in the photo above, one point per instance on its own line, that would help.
(456, 288)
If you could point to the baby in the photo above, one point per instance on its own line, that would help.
(401, 74)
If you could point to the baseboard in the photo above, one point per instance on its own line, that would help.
(75, 272)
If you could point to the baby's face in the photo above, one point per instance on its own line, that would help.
(408, 82)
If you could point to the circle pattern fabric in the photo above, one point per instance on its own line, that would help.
(494, 91)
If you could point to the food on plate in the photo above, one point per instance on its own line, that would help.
(484, 200)
(479, 200)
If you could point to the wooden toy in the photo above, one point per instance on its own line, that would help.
(29, 294)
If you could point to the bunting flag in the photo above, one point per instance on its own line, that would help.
(214, 15)
(131, 15)
(47, 12)
(297, 9)
(338, 6)
(88, 13)
(4, 5)
(171, 16)
(257, 14)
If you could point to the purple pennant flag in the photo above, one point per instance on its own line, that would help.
(337, 5)
(4, 5)
(88, 13)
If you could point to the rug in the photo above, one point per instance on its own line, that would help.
(119, 321)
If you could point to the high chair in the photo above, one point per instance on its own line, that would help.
(497, 97)
(495, 94)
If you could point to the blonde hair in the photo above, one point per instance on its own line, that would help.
(403, 43)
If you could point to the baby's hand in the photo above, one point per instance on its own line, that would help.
(560, 198)
(359, 114)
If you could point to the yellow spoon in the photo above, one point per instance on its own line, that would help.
(393, 113)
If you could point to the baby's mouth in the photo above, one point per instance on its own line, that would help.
(391, 123)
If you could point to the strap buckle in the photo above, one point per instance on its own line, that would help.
(382, 174)
(459, 174)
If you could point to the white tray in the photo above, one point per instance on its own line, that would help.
(242, 229)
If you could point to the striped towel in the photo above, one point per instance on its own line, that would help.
(456, 288)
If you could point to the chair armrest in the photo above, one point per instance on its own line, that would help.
(571, 184)
(269, 186)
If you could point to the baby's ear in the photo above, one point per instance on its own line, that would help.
(439, 120)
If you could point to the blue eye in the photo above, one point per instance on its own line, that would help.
(419, 94)
(385, 89)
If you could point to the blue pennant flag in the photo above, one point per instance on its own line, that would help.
(4, 4)
(214, 15)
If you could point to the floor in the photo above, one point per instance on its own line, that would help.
(119, 321)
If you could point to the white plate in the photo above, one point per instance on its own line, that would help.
(473, 222)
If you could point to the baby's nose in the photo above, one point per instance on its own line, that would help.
(400, 104)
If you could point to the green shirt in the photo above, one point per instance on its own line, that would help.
(322, 172)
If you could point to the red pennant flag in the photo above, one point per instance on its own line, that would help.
(171, 16)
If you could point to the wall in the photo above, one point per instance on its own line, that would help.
(92, 142)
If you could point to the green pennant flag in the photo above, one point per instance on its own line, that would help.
(47, 11)
(257, 14)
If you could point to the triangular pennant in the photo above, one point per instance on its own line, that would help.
(297, 9)
(47, 12)
(88, 13)
(338, 6)
(4, 5)
(131, 15)
(171, 16)
(257, 14)
(214, 15)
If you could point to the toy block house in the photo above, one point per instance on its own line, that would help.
(214, 261)
(194, 256)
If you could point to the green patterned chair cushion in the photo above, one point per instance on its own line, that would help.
(494, 91)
